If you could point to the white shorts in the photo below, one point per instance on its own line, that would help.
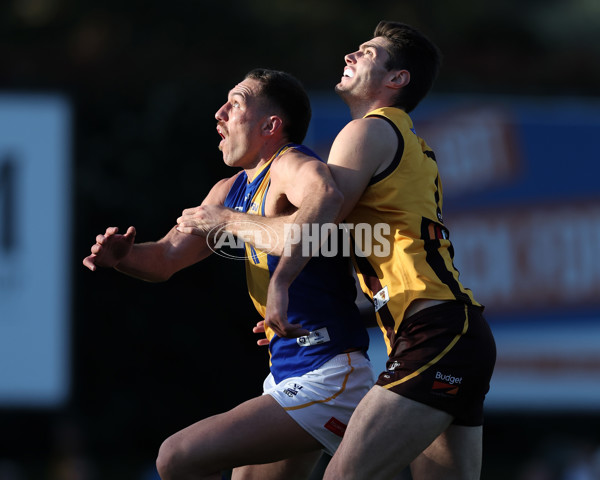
(322, 401)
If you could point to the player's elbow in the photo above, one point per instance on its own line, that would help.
(159, 277)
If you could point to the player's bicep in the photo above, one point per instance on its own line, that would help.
(299, 176)
(313, 179)
(350, 168)
(359, 150)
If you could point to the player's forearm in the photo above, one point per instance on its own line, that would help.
(158, 261)
(283, 235)
(264, 233)
(304, 234)
(146, 261)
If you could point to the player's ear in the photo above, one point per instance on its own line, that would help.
(399, 78)
(272, 124)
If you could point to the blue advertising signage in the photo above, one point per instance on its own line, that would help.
(522, 204)
(35, 237)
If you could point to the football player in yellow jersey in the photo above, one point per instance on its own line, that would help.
(426, 410)
(317, 379)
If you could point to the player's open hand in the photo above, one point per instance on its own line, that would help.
(110, 248)
(276, 313)
(259, 328)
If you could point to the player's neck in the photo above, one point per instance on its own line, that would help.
(358, 109)
(266, 154)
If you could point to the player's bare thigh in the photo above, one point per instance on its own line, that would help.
(386, 432)
(257, 431)
(455, 455)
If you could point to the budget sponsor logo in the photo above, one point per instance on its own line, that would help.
(445, 384)
(448, 378)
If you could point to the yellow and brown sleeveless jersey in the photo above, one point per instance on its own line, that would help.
(407, 196)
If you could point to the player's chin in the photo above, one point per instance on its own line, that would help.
(339, 88)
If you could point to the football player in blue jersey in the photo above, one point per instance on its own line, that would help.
(319, 368)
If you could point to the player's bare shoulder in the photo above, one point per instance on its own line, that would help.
(370, 132)
(366, 144)
(292, 174)
(286, 167)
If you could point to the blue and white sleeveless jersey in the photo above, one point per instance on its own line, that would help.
(321, 298)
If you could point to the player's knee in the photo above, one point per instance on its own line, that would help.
(169, 462)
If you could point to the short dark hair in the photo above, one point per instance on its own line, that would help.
(411, 50)
(288, 94)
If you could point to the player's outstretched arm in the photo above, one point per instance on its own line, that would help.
(152, 261)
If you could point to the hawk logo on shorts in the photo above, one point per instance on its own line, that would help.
(394, 365)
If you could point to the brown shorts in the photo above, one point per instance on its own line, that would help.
(443, 356)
